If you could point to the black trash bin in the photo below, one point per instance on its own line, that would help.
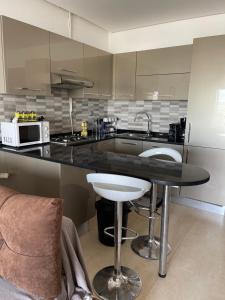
(105, 217)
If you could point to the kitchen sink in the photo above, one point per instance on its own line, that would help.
(142, 136)
(134, 135)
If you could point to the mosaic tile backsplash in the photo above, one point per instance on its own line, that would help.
(56, 110)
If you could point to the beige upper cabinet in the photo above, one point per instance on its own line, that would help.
(98, 68)
(163, 74)
(171, 60)
(25, 60)
(124, 70)
(91, 70)
(163, 87)
(105, 74)
(66, 55)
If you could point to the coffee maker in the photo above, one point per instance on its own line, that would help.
(177, 131)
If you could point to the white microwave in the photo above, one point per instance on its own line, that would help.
(24, 134)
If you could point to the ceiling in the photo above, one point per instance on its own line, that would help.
(119, 15)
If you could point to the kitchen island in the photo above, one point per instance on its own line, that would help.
(69, 166)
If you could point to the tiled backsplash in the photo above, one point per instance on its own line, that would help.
(162, 112)
(56, 110)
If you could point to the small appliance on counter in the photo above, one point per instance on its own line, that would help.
(106, 125)
(177, 131)
(19, 134)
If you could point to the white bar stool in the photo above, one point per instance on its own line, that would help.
(117, 282)
(148, 246)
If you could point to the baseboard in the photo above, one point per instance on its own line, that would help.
(213, 208)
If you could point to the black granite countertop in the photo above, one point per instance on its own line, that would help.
(156, 137)
(89, 157)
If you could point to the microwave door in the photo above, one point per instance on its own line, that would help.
(29, 134)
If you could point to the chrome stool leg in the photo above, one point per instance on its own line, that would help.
(117, 282)
(148, 246)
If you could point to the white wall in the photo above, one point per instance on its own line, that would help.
(42, 14)
(166, 35)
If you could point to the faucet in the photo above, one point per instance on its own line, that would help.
(149, 119)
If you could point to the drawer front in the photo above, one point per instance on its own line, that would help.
(108, 145)
(150, 145)
(128, 146)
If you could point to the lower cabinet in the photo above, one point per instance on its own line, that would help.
(213, 160)
(107, 145)
(128, 146)
(43, 178)
(150, 145)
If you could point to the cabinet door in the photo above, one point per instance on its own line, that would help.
(29, 175)
(163, 87)
(150, 145)
(124, 69)
(105, 74)
(108, 145)
(206, 105)
(128, 146)
(213, 160)
(91, 70)
(66, 55)
(164, 61)
(27, 61)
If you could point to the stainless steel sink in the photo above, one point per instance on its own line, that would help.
(134, 135)
(141, 136)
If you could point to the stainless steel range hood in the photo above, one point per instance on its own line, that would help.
(70, 82)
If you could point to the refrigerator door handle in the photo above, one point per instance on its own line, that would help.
(189, 132)
(187, 156)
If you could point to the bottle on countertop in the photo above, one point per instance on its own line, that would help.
(84, 129)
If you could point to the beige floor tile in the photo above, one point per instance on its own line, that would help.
(196, 266)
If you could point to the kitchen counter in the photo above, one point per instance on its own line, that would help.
(88, 157)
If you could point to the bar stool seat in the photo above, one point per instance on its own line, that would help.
(117, 282)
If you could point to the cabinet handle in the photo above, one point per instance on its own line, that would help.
(27, 89)
(69, 71)
(127, 143)
(187, 156)
(189, 132)
(155, 147)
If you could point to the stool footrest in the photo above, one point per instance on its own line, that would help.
(139, 212)
(135, 234)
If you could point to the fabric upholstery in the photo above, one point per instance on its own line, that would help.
(30, 228)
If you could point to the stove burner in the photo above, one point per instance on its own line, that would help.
(68, 139)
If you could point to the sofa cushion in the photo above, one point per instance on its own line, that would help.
(30, 227)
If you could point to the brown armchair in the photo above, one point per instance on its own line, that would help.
(34, 249)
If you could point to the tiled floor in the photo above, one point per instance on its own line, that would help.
(196, 266)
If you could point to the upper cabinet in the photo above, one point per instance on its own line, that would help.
(171, 60)
(66, 55)
(163, 74)
(124, 70)
(91, 70)
(24, 60)
(98, 68)
(105, 74)
(163, 87)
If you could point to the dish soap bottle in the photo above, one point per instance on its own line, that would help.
(84, 129)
